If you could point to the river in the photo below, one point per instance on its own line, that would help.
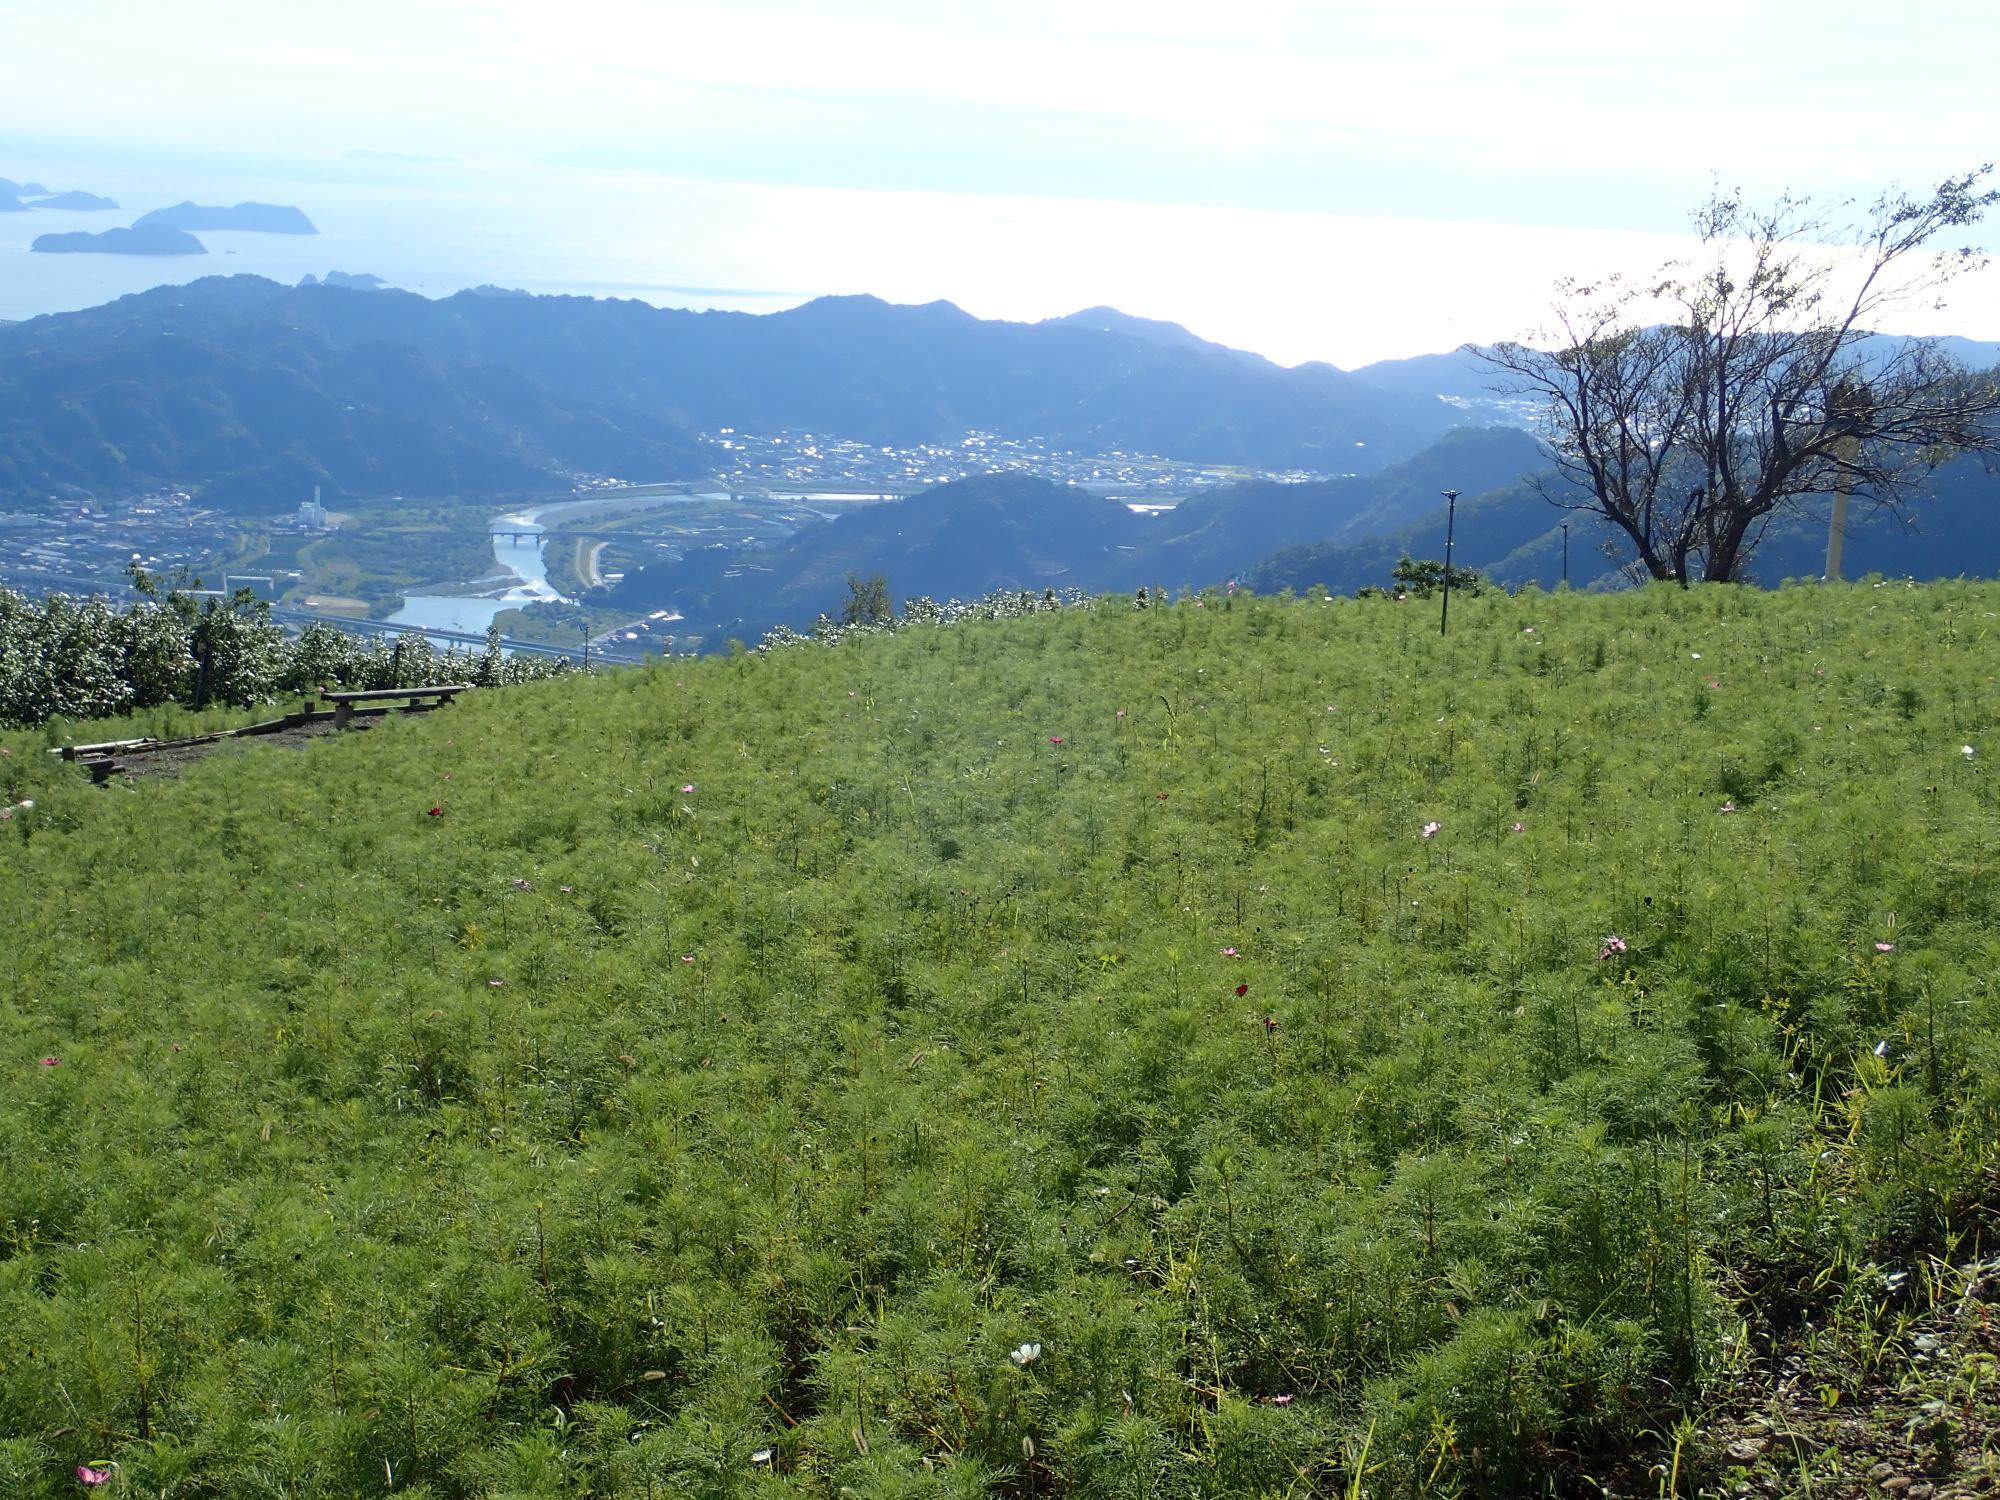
(521, 560)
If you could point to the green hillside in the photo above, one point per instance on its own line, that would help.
(1241, 1047)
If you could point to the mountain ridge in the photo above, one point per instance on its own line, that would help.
(855, 367)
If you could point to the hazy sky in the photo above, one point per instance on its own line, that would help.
(1451, 136)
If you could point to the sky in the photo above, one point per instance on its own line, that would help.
(1311, 180)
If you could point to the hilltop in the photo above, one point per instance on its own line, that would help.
(1225, 1048)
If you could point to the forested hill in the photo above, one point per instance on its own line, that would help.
(258, 414)
(252, 384)
(1013, 531)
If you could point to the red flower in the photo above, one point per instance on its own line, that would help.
(1242, 989)
(436, 812)
(1055, 739)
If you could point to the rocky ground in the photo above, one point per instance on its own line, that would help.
(1906, 1404)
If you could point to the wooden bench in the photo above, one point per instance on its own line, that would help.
(417, 698)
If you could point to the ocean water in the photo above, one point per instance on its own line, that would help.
(426, 228)
(1291, 286)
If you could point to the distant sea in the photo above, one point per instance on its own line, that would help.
(1273, 283)
(1290, 286)
(429, 228)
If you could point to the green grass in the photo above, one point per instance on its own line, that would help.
(591, 1136)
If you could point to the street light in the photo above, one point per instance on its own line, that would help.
(1565, 554)
(1450, 525)
(1848, 407)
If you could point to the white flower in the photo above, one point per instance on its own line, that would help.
(1966, 751)
(1026, 1355)
(1882, 1049)
(761, 1456)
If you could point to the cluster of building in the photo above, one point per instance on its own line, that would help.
(745, 460)
(88, 546)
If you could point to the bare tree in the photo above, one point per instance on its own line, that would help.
(1692, 409)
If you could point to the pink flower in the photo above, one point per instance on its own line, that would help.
(1055, 739)
(1281, 1400)
(1885, 947)
(1728, 807)
(1229, 953)
(50, 1062)
(1612, 944)
(1430, 829)
(1517, 828)
(687, 788)
(87, 1475)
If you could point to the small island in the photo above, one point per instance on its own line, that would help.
(360, 281)
(263, 218)
(138, 240)
(75, 202)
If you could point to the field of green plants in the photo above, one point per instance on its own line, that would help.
(1236, 1047)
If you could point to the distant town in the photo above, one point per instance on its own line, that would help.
(89, 545)
(792, 460)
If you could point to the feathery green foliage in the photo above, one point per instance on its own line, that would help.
(1240, 1047)
(63, 658)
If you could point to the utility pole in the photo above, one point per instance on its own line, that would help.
(1848, 407)
(1450, 525)
(1565, 554)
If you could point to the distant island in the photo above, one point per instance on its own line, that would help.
(264, 218)
(140, 239)
(359, 281)
(12, 193)
(76, 202)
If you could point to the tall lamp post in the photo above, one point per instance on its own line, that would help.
(1847, 408)
(1450, 525)
(1565, 554)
